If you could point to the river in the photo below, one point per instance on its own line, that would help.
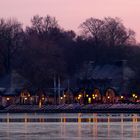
(69, 126)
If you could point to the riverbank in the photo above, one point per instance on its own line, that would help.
(73, 108)
(75, 111)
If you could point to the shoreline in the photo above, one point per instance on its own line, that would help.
(73, 108)
(76, 111)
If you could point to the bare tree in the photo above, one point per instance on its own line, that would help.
(92, 27)
(116, 33)
(42, 25)
(11, 35)
(109, 31)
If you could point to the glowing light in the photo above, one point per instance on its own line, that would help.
(136, 96)
(78, 98)
(87, 95)
(80, 95)
(96, 95)
(89, 100)
(7, 99)
(93, 95)
(122, 97)
(40, 104)
(43, 98)
(133, 95)
(108, 97)
(64, 96)
(61, 98)
(25, 98)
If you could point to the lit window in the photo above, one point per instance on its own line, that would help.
(89, 100)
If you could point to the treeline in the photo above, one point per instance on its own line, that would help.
(44, 49)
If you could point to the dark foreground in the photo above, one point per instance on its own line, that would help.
(73, 108)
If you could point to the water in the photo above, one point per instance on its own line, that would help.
(70, 127)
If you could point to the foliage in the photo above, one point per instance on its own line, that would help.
(44, 49)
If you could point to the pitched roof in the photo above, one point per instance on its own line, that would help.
(106, 71)
(10, 82)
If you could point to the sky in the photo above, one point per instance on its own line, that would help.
(70, 13)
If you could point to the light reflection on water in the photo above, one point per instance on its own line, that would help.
(84, 127)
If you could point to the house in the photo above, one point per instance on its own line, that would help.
(111, 79)
(10, 87)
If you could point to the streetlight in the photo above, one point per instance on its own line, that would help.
(122, 97)
(80, 95)
(133, 95)
(7, 98)
(136, 96)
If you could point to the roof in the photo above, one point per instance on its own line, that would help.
(106, 71)
(11, 82)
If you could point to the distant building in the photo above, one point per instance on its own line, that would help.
(11, 86)
(115, 75)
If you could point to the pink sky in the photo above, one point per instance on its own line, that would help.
(70, 13)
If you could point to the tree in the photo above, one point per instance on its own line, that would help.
(109, 31)
(93, 28)
(43, 26)
(116, 33)
(42, 52)
(11, 37)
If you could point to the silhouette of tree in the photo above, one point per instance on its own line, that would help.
(47, 49)
(43, 26)
(109, 31)
(116, 33)
(11, 37)
(93, 28)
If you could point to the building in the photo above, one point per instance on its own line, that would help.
(10, 87)
(107, 78)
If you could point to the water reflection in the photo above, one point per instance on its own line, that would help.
(7, 126)
(108, 127)
(135, 120)
(122, 126)
(95, 126)
(77, 118)
(70, 126)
